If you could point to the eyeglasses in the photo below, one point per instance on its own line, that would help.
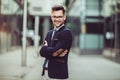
(57, 17)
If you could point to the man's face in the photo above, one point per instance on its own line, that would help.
(58, 18)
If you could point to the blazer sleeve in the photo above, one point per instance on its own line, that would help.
(64, 42)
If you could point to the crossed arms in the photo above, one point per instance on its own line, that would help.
(60, 52)
(62, 47)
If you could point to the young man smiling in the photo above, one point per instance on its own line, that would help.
(56, 46)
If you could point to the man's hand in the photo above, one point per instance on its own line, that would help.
(57, 52)
(63, 53)
(60, 52)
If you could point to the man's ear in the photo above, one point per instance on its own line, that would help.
(64, 17)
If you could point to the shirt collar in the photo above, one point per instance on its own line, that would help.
(58, 27)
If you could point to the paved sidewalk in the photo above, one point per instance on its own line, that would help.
(10, 64)
(81, 67)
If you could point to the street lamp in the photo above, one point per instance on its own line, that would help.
(24, 34)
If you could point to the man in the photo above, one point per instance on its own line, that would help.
(57, 46)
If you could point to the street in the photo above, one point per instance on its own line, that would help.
(81, 67)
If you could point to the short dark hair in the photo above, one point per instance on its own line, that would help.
(58, 7)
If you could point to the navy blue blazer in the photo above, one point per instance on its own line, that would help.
(57, 66)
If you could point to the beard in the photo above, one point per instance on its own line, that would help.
(57, 25)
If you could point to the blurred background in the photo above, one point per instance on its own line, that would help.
(95, 25)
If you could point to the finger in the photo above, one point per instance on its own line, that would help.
(55, 54)
(66, 51)
(63, 54)
(59, 51)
